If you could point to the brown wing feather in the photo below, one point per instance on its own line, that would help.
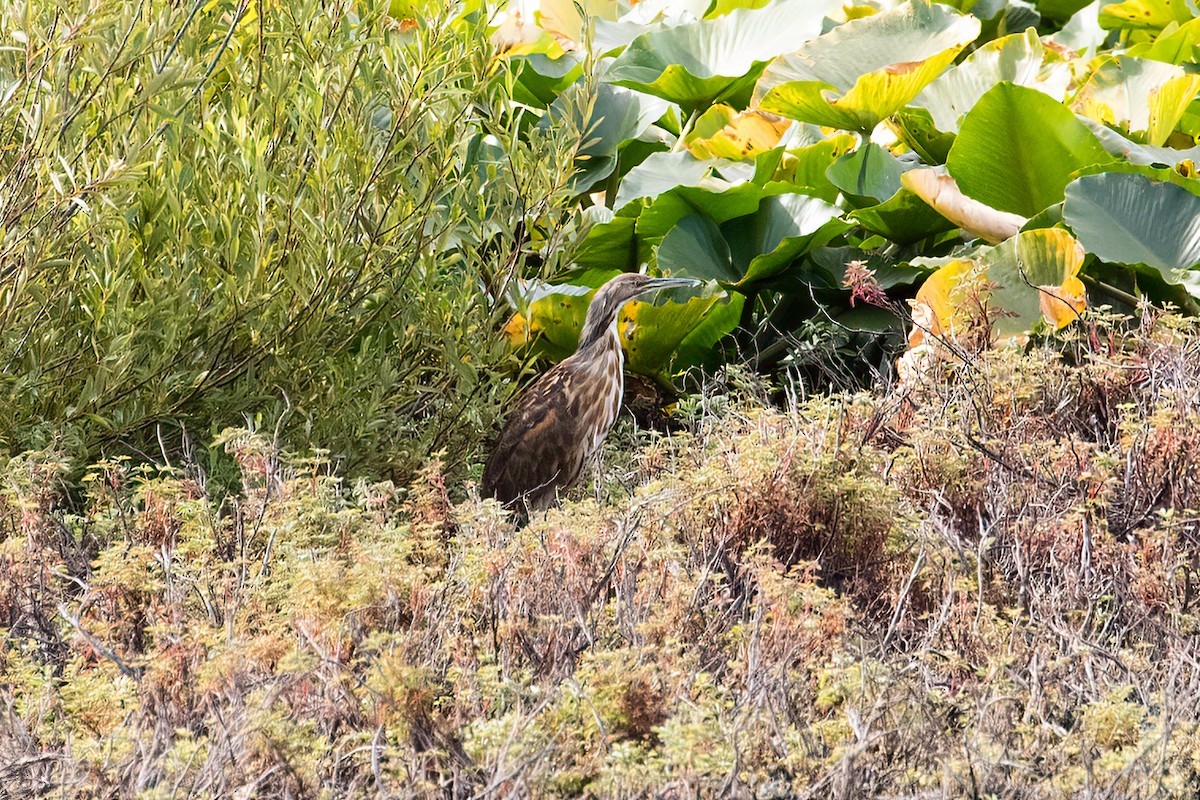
(537, 449)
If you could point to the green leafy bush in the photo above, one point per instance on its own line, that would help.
(295, 212)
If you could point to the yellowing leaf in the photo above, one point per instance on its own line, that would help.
(866, 69)
(1061, 305)
(1032, 276)
(518, 331)
(934, 310)
(1145, 98)
(721, 132)
(977, 219)
(1148, 14)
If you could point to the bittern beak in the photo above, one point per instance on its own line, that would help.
(655, 284)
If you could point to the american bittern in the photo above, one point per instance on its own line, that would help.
(560, 421)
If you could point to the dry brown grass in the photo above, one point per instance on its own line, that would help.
(984, 584)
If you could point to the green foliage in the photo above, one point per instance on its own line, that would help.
(1002, 105)
(1132, 219)
(1017, 148)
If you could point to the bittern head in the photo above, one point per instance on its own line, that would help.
(612, 296)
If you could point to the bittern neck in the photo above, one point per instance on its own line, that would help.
(600, 330)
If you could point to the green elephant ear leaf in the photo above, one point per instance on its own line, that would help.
(861, 72)
(784, 228)
(1131, 219)
(611, 244)
(1019, 58)
(667, 337)
(903, 218)
(1017, 148)
(541, 79)
(751, 248)
(702, 62)
(1146, 99)
(696, 248)
(662, 172)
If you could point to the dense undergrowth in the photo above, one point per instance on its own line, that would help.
(982, 584)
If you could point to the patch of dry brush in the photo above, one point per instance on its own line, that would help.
(983, 585)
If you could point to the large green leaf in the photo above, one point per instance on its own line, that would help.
(753, 248)
(1019, 58)
(541, 79)
(611, 244)
(904, 218)
(1146, 99)
(1017, 148)
(784, 228)
(862, 71)
(1131, 219)
(1035, 273)
(696, 248)
(698, 347)
(662, 172)
(664, 213)
(702, 62)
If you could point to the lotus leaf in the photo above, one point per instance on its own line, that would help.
(1131, 219)
(1017, 149)
(751, 249)
(1032, 276)
(870, 173)
(861, 72)
(1019, 58)
(903, 218)
(1144, 98)
(710, 60)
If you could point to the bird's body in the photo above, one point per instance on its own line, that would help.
(560, 421)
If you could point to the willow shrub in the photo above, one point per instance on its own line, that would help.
(301, 213)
